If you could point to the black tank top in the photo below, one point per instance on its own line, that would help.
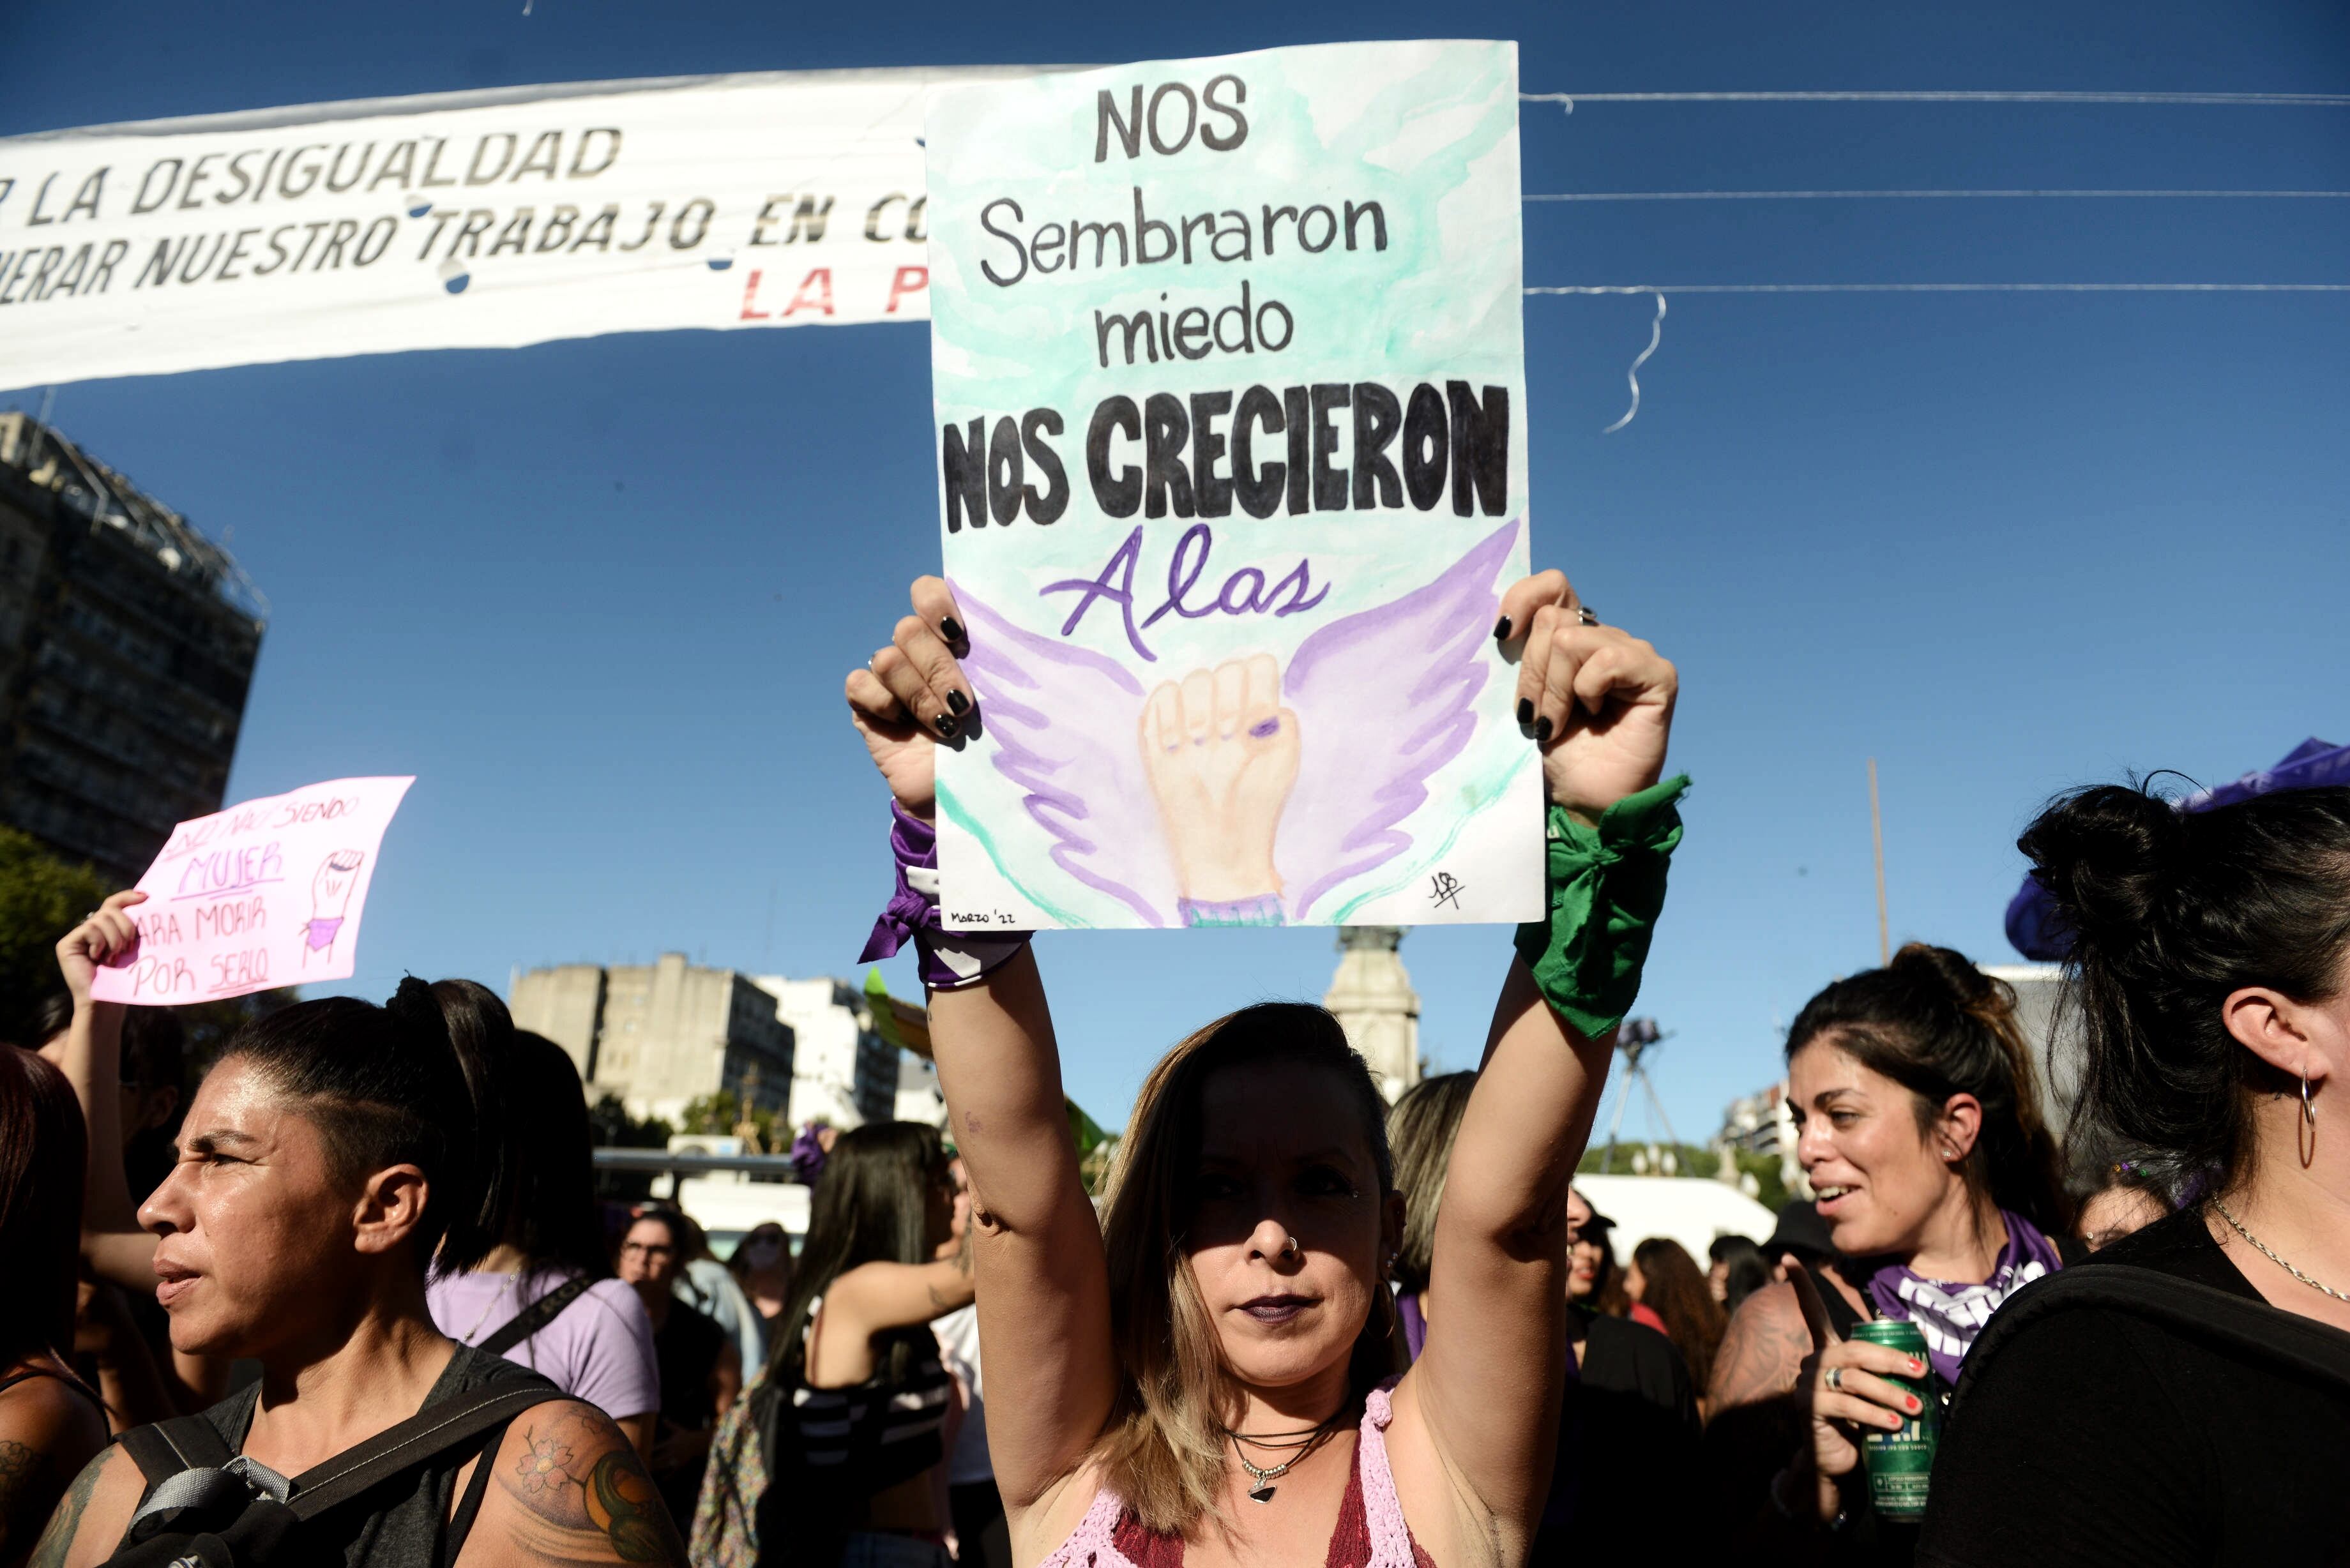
(409, 1525)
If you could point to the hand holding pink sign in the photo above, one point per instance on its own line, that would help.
(266, 893)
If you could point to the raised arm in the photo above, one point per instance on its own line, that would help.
(112, 1243)
(873, 1298)
(1043, 1283)
(1485, 1390)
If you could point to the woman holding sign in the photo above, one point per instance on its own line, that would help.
(1209, 1374)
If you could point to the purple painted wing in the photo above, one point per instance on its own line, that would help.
(1383, 698)
(1084, 781)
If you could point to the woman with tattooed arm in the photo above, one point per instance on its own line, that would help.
(331, 1150)
(1918, 1112)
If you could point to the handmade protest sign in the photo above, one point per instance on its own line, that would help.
(265, 894)
(1230, 400)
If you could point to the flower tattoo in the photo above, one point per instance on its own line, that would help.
(547, 1465)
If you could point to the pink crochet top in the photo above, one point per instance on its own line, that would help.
(1371, 1533)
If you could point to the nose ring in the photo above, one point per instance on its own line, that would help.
(1289, 1247)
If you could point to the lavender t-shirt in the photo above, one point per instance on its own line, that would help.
(599, 1348)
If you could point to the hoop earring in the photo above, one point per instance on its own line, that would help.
(2308, 1119)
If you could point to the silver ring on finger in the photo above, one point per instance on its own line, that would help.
(1586, 616)
(1834, 1380)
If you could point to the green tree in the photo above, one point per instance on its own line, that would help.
(719, 1112)
(41, 898)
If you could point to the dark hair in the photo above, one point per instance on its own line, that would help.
(1674, 1288)
(1937, 1026)
(2168, 911)
(386, 1085)
(1607, 1293)
(872, 1204)
(670, 1220)
(1745, 1270)
(44, 1155)
(738, 1265)
(51, 1015)
(1422, 1128)
(1607, 1296)
(543, 1199)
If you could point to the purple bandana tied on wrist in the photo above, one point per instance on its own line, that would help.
(948, 960)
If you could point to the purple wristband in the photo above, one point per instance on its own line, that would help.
(947, 960)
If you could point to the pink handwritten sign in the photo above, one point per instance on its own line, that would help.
(265, 894)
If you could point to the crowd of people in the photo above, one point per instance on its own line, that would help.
(355, 1300)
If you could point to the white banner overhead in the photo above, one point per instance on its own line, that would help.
(478, 220)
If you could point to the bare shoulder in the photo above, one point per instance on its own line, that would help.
(49, 1432)
(1763, 1353)
(567, 1487)
(87, 1522)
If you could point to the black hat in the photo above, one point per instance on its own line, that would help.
(1800, 1230)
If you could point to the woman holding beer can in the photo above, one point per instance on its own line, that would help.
(1919, 1115)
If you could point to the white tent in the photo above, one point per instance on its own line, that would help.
(1689, 1210)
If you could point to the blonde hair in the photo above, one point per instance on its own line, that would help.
(1422, 1128)
(1163, 1448)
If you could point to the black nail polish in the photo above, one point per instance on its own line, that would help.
(946, 726)
(1542, 732)
(958, 701)
(953, 628)
(1525, 712)
(1502, 630)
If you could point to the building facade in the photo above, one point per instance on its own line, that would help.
(847, 1072)
(662, 1036)
(127, 648)
(1372, 997)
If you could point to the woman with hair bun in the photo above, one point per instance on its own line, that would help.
(333, 1152)
(1918, 1113)
(2185, 1397)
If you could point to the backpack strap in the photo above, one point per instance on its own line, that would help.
(414, 1440)
(169, 1447)
(2296, 1346)
(188, 1465)
(533, 1317)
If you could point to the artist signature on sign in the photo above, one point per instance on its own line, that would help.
(1444, 888)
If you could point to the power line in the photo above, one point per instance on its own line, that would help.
(2240, 100)
(1656, 329)
(1914, 195)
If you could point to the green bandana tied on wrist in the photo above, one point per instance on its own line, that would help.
(1605, 887)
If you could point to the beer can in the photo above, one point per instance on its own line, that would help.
(1901, 1464)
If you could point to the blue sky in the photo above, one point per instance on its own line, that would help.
(600, 595)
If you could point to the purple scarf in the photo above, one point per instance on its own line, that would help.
(1950, 1315)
